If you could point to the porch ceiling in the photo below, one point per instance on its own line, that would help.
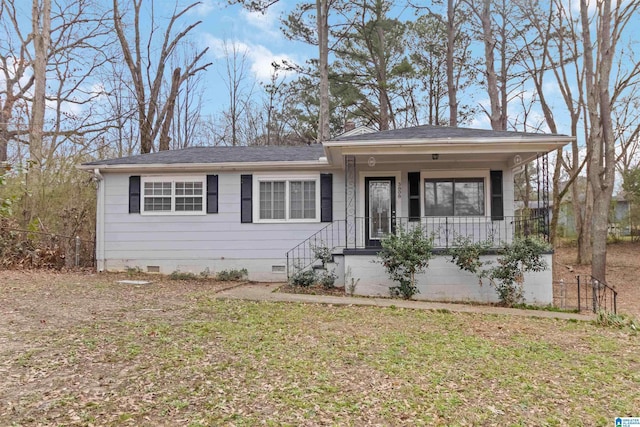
(513, 151)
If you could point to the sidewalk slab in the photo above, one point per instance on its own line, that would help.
(268, 292)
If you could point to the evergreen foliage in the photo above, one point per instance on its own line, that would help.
(403, 255)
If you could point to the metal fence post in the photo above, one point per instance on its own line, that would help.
(77, 251)
(578, 279)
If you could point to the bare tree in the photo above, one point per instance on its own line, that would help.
(497, 28)
(41, 32)
(626, 116)
(188, 108)
(148, 71)
(599, 51)
(239, 89)
(47, 73)
(15, 61)
(322, 13)
(548, 47)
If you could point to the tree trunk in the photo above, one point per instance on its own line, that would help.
(382, 81)
(452, 90)
(322, 16)
(41, 42)
(171, 104)
(601, 143)
(582, 213)
(492, 79)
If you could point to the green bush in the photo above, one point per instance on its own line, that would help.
(327, 279)
(466, 255)
(619, 321)
(323, 253)
(232, 275)
(182, 275)
(507, 277)
(303, 278)
(521, 256)
(350, 282)
(404, 255)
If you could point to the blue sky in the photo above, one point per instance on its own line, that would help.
(257, 34)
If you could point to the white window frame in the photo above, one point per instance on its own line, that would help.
(484, 174)
(257, 179)
(173, 180)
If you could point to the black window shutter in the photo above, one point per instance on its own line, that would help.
(212, 193)
(414, 196)
(326, 197)
(497, 199)
(134, 194)
(246, 202)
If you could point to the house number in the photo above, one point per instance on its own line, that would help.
(399, 190)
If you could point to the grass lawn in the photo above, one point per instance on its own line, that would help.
(201, 361)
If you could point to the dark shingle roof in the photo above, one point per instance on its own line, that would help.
(242, 154)
(436, 132)
(221, 155)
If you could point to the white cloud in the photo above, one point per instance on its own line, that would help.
(481, 121)
(12, 66)
(267, 22)
(258, 56)
(206, 7)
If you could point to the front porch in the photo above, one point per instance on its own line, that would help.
(354, 256)
(456, 184)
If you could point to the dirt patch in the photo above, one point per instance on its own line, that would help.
(58, 299)
(623, 272)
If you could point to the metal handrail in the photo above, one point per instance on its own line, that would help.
(302, 255)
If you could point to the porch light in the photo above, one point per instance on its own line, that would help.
(435, 156)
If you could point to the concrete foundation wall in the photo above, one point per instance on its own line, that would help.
(444, 281)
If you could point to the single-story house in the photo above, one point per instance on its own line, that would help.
(266, 208)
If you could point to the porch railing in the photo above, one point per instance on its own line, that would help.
(335, 236)
(445, 230)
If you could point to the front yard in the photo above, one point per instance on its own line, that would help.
(84, 350)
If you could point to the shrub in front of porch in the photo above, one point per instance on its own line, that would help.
(404, 255)
(507, 277)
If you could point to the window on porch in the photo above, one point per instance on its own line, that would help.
(454, 197)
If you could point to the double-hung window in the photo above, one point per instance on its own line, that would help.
(287, 199)
(181, 196)
(454, 197)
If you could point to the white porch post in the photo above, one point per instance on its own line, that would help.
(350, 200)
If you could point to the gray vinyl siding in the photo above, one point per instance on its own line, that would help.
(220, 241)
(196, 242)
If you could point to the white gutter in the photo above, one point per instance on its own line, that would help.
(228, 166)
(446, 146)
(99, 220)
(450, 141)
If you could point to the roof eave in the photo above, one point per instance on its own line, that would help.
(450, 141)
(446, 146)
(197, 167)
